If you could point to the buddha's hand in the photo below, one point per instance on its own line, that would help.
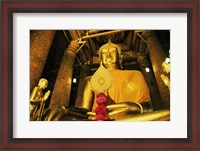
(123, 108)
(46, 95)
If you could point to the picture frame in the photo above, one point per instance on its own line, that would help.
(9, 8)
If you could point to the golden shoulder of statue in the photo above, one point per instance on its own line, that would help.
(101, 81)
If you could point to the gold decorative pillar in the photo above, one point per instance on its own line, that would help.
(62, 87)
(40, 44)
(157, 57)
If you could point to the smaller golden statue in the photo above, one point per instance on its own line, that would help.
(37, 100)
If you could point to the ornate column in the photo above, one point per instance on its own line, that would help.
(62, 87)
(147, 71)
(157, 57)
(40, 44)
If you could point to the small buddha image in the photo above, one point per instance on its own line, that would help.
(37, 99)
(100, 75)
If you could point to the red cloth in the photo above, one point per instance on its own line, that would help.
(101, 100)
(101, 109)
(100, 117)
(100, 95)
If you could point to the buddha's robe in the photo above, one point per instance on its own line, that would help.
(127, 86)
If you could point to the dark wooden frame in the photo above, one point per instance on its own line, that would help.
(191, 7)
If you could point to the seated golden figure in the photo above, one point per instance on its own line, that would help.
(37, 100)
(128, 96)
(129, 93)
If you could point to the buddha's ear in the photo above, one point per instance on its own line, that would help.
(99, 53)
(100, 62)
(121, 61)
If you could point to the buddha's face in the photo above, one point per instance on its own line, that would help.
(109, 56)
(43, 84)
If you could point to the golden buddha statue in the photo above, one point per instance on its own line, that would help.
(37, 100)
(128, 96)
(129, 93)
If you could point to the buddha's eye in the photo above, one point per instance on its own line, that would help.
(112, 50)
(104, 51)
